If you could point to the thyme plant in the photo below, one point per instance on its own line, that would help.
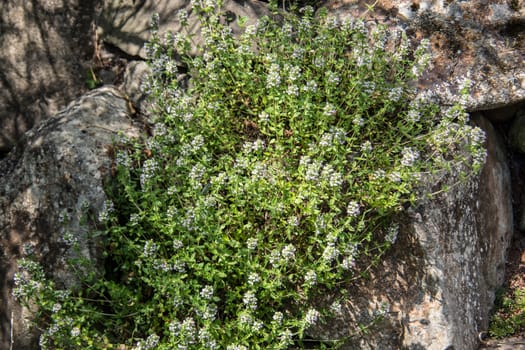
(271, 179)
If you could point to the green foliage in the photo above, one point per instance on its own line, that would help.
(509, 319)
(271, 180)
(92, 81)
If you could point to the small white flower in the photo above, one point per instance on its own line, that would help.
(336, 308)
(311, 86)
(409, 156)
(288, 252)
(358, 121)
(257, 325)
(57, 307)
(395, 176)
(273, 78)
(75, 332)
(413, 116)
(253, 278)
(311, 317)
(333, 78)
(177, 244)
(275, 258)
(310, 279)
(353, 209)
(264, 117)
(286, 337)
(251, 243)
(278, 317)
(250, 300)
(207, 292)
(150, 249)
(348, 263)
(330, 253)
(366, 147)
(293, 90)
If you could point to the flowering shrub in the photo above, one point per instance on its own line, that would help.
(272, 178)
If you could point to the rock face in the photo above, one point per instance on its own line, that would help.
(45, 46)
(51, 183)
(479, 40)
(126, 23)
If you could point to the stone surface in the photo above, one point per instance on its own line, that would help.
(45, 46)
(515, 343)
(479, 40)
(441, 276)
(135, 74)
(51, 182)
(126, 23)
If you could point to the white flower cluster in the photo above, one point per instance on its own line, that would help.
(253, 278)
(105, 212)
(251, 243)
(314, 170)
(207, 292)
(150, 249)
(310, 279)
(288, 252)
(409, 156)
(273, 79)
(353, 209)
(311, 317)
(330, 253)
(253, 146)
(250, 300)
(149, 168)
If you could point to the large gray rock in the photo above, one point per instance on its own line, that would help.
(126, 23)
(479, 40)
(52, 182)
(440, 278)
(45, 46)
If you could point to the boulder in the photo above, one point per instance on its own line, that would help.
(482, 41)
(45, 47)
(126, 23)
(436, 287)
(51, 189)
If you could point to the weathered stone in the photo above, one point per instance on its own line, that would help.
(45, 47)
(479, 40)
(517, 132)
(136, 73)
(51, 183)
(441, 276)
(126, 23)
(514, 343)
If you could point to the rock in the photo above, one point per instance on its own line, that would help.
(126, 23)
(135, 74)
(51, 182)
(517, 132)
(514, 343)
(479, 40)
(440, 278)
(45, 47)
